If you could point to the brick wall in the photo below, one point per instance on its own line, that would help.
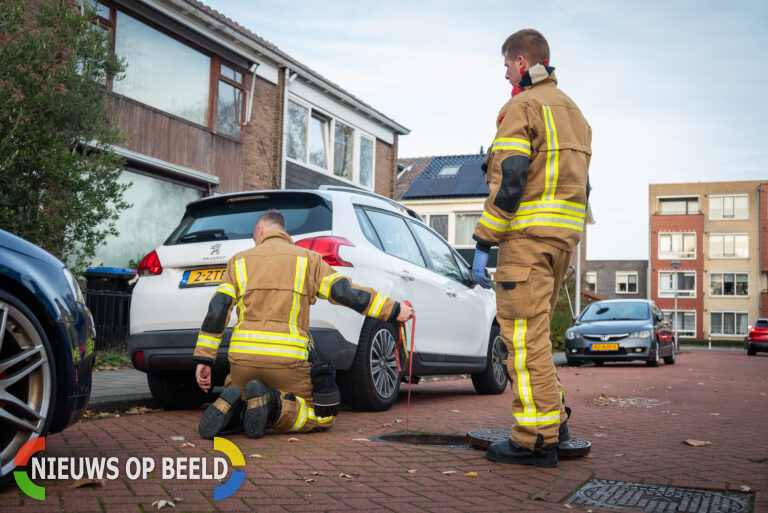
(262, 137)
(763, 227)
(679, 223)
(386, 168)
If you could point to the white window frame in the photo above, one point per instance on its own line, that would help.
(428, 222)
(728, 296)
(681, 333)
(452, 234)
(626, 274)
(671, 255)
(359, 133)
(671, 293)
(722, 197)
(745, 312)
(593, 275)
(723, 235)
(659, 200)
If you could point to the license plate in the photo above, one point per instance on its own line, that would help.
(605, 347)
(202, 277)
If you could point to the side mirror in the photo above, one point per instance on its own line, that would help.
(659, 317)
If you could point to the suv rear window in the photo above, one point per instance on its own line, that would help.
(763, 323)
(236, 218)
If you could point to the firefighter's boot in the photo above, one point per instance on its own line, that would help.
(262, 407)
(564, 435)
(223, 414)
(508, 451)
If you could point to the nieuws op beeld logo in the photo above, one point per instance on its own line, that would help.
(188, 467)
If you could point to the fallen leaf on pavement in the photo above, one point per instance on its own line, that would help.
(590, 455)
(162, 504)
(619, 455)
(714, 414)
(316, 473)
(762, 393)
(255, 455)
(178, 499)
(187, 444)
(361, 440)
(600, 427)
(454, 411)
(87, 481)
(310, 480)
(449, 472)
(412, 471)
(344, 475)
(177, 438)
(697, 443)
(746, 489)
(293, 439)
(568, 506)
(470, 474)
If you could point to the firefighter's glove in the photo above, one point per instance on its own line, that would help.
(325, 393)
(479, 271)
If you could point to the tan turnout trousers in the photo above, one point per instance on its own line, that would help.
(528, 278)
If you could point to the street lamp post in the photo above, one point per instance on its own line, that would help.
(675, 265)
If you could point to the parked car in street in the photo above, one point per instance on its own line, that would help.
(373, 240)
(46, 347)
(757, 338)
(620, 330)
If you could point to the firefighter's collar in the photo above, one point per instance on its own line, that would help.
(275, 234)
(538, 74)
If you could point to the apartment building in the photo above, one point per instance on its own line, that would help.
(708, 245)
(617, 279)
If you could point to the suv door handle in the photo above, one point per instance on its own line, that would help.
(450, 293)
(406, 276)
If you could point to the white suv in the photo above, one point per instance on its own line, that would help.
(373, 240)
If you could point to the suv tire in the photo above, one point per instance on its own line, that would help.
(494, 378)
(34, 388)
(176, 390)
(653, 360)
(670, 360)
(373, 381)
(751, 351)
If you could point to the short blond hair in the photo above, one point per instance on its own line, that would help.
(530, 44)
(272, 216)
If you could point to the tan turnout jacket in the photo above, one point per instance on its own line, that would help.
(273, 285)
(544, 125)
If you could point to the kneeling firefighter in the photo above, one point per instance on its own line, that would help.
(273, 284)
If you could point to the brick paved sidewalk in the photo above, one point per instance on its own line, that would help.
(719, 397)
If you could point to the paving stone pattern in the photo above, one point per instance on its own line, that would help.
(721, 397)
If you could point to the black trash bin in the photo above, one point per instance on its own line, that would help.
(108, 296)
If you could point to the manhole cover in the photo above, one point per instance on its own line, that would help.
(658, 499)
(430, 439)
(482, 438)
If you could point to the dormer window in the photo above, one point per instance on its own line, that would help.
(448, 171)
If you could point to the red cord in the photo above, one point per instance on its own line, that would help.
(410, 371)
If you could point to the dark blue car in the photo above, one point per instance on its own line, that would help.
(46, 347)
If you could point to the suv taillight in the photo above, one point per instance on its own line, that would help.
(328, 247)
(150, 265)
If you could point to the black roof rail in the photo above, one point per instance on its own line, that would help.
(355, 190)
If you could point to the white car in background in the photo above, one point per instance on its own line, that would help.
(373, 240)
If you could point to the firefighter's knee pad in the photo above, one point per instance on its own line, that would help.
(325, 392)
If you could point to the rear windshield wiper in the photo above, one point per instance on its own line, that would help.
(205, 235)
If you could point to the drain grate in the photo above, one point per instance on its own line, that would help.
(658, 499)
(426, 439)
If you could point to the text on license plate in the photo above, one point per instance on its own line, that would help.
(605, 347)
(202, 277)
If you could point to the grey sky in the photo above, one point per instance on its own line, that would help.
(674, 90)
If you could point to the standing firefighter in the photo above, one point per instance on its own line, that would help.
(537, 175)
(273, 285)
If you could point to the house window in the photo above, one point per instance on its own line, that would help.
(677, 245)
(728, 323)
(729, 284)
(439, 223)
(686, 284)
(728, 245)
(309, 141)
(728, 207)
(686, 322)
(679, 205)
(626, 282)
(448, 171)
(229, 114)
(591, 281)
(465, 227)
(366, 162)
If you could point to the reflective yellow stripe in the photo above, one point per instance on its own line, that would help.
(242, 277)
(325, 285)
(552, 164)
(226, 288)
(208, 337)
(512, 143)
(268, 350)
(491, 226)
(377, 304)
(566, 211)
(493, 222)
(270, 334)
(298, 285)
(533, 215)
(240, 312)
(302, 418)
(319, 420)
(538, 419)
(206, 344)
(523, 378)
(553, 201)
(560, 221)
(208, 341)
